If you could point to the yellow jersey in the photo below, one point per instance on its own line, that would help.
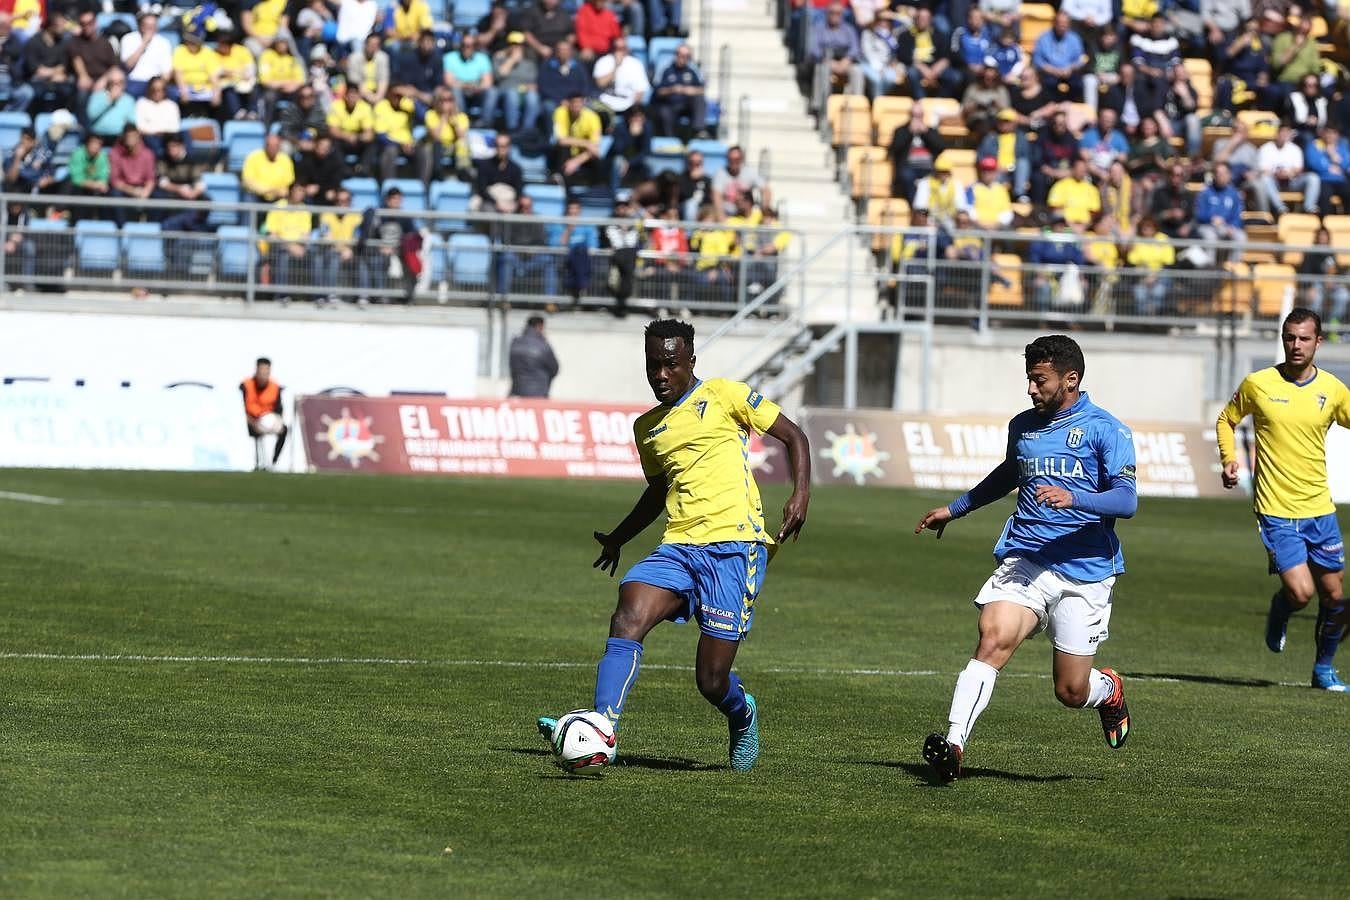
(1291, 422)
(196, 69)
(1152, 253)
(714, 246)
(990, 203)
(262, 175)
(701, 447)
(267, 19)
(586, 126)
(394, 119)
(353, 120)
(1078, 200)
(340, 228)
(411, 22)
(279, 68)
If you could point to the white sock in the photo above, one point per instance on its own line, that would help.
(973, 687)
(1100, 689)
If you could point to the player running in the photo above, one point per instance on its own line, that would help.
(1072, 464)
(711, 563)
(1293, 405)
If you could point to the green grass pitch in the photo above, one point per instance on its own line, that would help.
(258, 774)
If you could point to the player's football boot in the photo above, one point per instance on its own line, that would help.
(1324, 678)
(943, 756)
(546, 725)
(745, 742)
(1115, 714)
(1277, 622)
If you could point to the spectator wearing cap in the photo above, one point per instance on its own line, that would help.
(516, 75)
(1294, 54)
(914, 146)
(923, 49)
(92, 57)
(498, 180)
(1075, 197)
(1281, 169)
(368, 69)
(832, 56)
(157, 116)
(681, 93)
(89, 173)
(941, 194)
(972, 45)
(178, 177)
(468, 74)
(288, 226)
(621, 78)
(320, 168)
(561, 76)
(545, 23)
(876, 56)
(352, 125)
(280, 76)
(988, 199)
(1103, 144)
(576, 133)
(131, 171)
(597, 27)
(110, 108)
(445, 149)
(356, 21)
(47, 64)
(263, 22)
(236, 77)
(146, 54)
(1010, 150)
(394, 118)
(1328, 156)
(419, 70)
(195, 73)
(409, 20)
(1060, 58)
(983, 99)
(736, 179)
(303, 115)
(268, 173)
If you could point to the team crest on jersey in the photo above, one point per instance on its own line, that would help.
(1075, 437)
(1321, 401)
(701, 408)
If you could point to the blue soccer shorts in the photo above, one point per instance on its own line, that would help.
(1292, 542)
(718, 582)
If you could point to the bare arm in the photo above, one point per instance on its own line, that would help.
(799, 459)
(644, 512)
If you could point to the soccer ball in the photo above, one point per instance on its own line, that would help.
(584, 742)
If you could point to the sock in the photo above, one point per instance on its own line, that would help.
(1279, 604)
(1100, 689)
(1330, 629)
(973, 687)
(615, 675)
(734, 707)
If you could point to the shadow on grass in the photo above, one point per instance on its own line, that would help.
(925, 774)
(633, 760)
(1204, 679)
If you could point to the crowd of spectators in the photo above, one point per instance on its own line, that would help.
(1086, 119)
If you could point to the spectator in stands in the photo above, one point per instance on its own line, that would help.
(146, 54)
(31, 167)
(15, 93)
(419, 70)
(468, 73)
(494, 27)
(1245, 61)
(1224, 20)
(194, 74)
(522, 240)
(1104, 69)
(984, 99)
(988, 199)
(624, 239)
(715, 244)
(1218, 210)
(1131, 99)
(1294, 54)
(596, 29)
(940, 194)
(577, 239)
(1172, 205)
(351, 122)
(381, 247)
(632, 16)
(89, 173)
(1060, 58)
(1075, 197)
(914, 146)
(179, 178)
(263, 409)
(268, 173)
(314, 24)
(1009, 58)
(280, 77)
(737, 179)
(628, 152)
(394, 120)
(546, 24)
(923, 50)
(1154, 54)
(1240, 155)
(498, 182)
(356, 22)
(1033, 104)
(621, 78)
(1281, 166)
(1056, 149)
(972, 46)
(303, 115)
(1103, 253)
(533, 365)
(236, 77)
(1048, 259)
(1306, 109)
(1153, 253)
(1118, 201)
(92, 57)
(408, 21)
(516, 75)
(445, 148)
(667, 244)
(1329, 158)
(561, 77)
(110, 107)
(262, 23)
(1150, 155)
(831, 56)
(576, 152)
(368, 68)
(339, 228)
(1178, 114)
(288, 227)
(131, 171)
(47, 65)
(1323, 275)
(876, 56)
(27, 19)
(321, 170)
(1010, 151)
(157, 116)
(680, 93)
(909, 254)
(694, 190)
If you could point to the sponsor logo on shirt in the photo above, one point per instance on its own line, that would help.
(754, 400)
(1277, 399)
(1127, 472)
(657, 430)
(1050, 467)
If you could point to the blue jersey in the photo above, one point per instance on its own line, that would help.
(1085, 450)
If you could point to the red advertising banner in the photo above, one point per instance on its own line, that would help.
(516, 438)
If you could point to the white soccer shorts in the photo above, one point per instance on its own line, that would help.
(1074, 614)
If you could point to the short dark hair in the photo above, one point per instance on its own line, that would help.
(1300, 314)
(1060, 351)
(671, 328)
(535, 321)
(264, 361)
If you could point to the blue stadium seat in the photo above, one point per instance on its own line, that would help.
(435, 253)
(203, 137)
(449, 197)
(69, 141)
(468, 12)
(667, 155)
(534, 169)
(232, 252)
(365, 192)
(637, 46)
(12, 125)
(242, 137)
(440, 10)
(470, 260)
(97, 247)
(549, 199)
(222, 187)
(144, 248)
(714, 154)
(489, 135)
(414, 194)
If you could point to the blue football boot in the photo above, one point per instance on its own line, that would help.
(1324, 678)
(745, 742)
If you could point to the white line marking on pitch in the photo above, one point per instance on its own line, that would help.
(513, 664)
(31, 498)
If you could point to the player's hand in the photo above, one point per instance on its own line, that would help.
(1054, 497)
(794, 517)
(608, 560)
(934, 520)
(1230, 475)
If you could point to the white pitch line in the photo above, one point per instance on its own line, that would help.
(31, 498)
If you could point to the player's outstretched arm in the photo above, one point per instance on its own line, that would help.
(1225, 432)
(799, 459)
(644, 513)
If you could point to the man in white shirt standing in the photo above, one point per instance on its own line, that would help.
(1280, 163)
(146, 54)
(621, 78)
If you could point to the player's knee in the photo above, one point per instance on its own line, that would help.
(1072, 694)
(713, 683)
(996, 644)
(1298, 596)
(627, 625)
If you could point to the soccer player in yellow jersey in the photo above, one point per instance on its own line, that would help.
(711, 562)
(1292, 406)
